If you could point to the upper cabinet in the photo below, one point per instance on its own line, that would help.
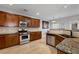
(2, 18)
(34, 23)
(12, 20)
(31, 22)
(21, 18)
(7, 19)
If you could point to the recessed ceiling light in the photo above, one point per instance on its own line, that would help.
(65, 6)
(37, 13)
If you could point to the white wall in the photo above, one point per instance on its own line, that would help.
(56, 26)
(66, 22)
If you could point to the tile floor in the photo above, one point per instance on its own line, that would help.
(34, 47)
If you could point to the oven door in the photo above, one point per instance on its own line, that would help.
(23, 37)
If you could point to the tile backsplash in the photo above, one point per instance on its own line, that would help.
(8, 30)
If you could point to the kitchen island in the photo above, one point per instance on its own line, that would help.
(69, 45)
(63, 43)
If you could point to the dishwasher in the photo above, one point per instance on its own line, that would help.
(50, 40)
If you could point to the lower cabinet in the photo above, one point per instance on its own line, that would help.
(2, 41)
(53, 39)
(35, 36)
(9, 40)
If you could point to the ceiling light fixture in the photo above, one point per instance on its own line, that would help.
(65, 6)
(53, 20)
(37, 13)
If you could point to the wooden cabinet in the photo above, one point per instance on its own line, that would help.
(12, 20)
(35, 36)
(54, 39)
(9, 40)
(21, 18)
(31, 22)
(2, 41)
(34, 23)
(7, 19)
(2, 18)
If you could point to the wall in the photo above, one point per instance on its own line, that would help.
(56, 26)
(10, 10)
(66, 22)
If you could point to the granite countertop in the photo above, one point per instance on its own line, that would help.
(69, 45)
(61, 35)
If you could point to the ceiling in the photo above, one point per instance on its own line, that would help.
(44, 11)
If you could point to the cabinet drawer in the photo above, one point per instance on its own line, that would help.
(11, 40)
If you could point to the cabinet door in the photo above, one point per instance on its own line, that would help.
(2, 18)
(36, 23)
(15, 20)
(38, 35)
(2, 42)
(15, 40)
(11, 40)
(35, 36)
(21, 18)
(8, 40)
(12, 20)
(32, 36)
(33, 23)
(29, 24)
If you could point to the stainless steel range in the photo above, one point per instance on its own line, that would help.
(24, 37)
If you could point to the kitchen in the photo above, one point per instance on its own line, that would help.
(34, 30)
(14, 29)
